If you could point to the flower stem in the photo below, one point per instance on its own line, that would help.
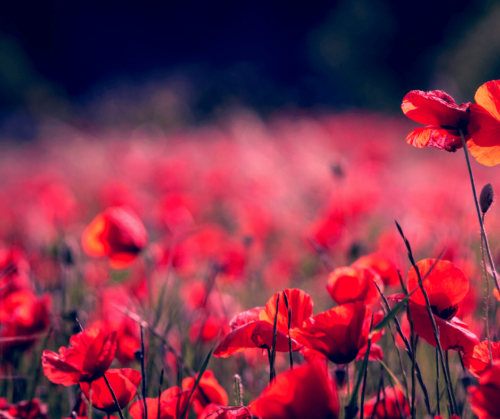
(487, 299)
(483, 232)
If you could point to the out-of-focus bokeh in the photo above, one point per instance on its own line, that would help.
(175, 63)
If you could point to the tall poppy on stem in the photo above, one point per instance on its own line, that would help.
(171, 403)
(87, 358)
(338, 333)
(446, 286)
(442, 116)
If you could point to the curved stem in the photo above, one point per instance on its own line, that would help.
(114, 397)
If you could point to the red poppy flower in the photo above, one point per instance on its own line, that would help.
(382, 265)
(208, 391)
(376, 353)
(22, 316)
(484, 126)
(443, 117)
(236, 412)
(304, 392)
(116, 233)
(484, 397)
(250, 332)
(172, 403)
(124, 383)
(477, 361)
(350, 284)
(387, 407)
(257, 334)
(88, 356)
(338, 333)
(299, 302)
(446, 286)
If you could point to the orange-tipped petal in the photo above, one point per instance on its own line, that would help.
(434, 136)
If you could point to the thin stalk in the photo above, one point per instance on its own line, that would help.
(400, 409)
(289, 323)
(272, 355)
(362, 402)
(143, 370)
(159, 392)
(438, 407)
(348, 389)
(379, 389)
(114, 397)
(89, 409)
(483, 232)
(413, 362)
(433, 322)
(487, 299)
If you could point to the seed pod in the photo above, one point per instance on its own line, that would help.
(486, 198)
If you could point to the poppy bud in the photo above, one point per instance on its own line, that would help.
(486, 198)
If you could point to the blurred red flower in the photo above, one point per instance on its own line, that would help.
(87, 358)
(124, 383)
(22, 316)
(350, 284)
(236, 412)
(381, 264)
(304, 392)
(387, 407)
(477, 360)
(446, 286)
(32, 409)
(484, 397)
(484, 126)
(208, 391)
(116, 233)
(443, 117)
(172, 404)
(338, 333)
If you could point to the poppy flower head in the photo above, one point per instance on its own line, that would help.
(86, 359)
(355, 283)
(300, 303)
(338, 333)
(173, 402)
(446, 286)
(382, 265)
(304, 392)
(477, 361)
(208, 391)
(236, 412)
(386, 406)
(116, 233)
(484, 128)
(124, 383)
(443, 117)
(484, 397)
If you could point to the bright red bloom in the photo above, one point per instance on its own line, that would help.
(257, 334)
(86, 359)
(208, 391)
(382, 265)
(338, 333)
(22, 316)
(124, 383)
(484, 397)
(350, 284)
(477, 361)
(250, 332)
(484, 126)
(173, 402)
(304, 392)
(387, 407)
(443, 117)
(446, 286)
(116, 233)
(300, 303)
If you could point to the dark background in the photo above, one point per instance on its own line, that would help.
(94, 63)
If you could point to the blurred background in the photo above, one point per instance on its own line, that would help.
(94, 63)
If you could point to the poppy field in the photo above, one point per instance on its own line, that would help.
(326, 266)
